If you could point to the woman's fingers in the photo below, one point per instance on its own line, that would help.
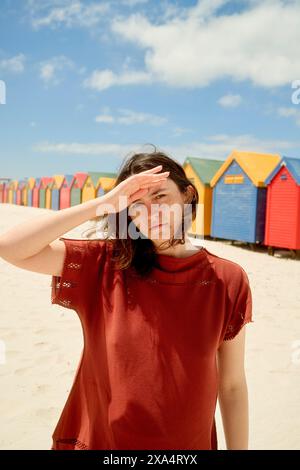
(137, 181)
(156, 168)
(138, 184)
(153, 183)
(149, 178)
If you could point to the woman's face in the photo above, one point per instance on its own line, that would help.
(158, 214)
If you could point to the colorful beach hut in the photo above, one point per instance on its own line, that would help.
(20, 192)
(55, 191)
(76, 188)
(200, 172)
(45, 181)
(12, 191)
(4, 188)
(36, 192)
(2, 191)
(48, 194)
(65, 192)
(29, 190)
(105, 183)
(239, 196)
(89, 187)
(283, 205)
(24, 193)
(95, 183)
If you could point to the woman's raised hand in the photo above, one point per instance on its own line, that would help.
(131, 189)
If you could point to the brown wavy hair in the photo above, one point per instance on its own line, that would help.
(141, 253)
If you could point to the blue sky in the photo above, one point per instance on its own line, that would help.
(89, 82)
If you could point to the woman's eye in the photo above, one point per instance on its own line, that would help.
(160, 195)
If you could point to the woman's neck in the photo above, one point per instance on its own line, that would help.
(180, 251)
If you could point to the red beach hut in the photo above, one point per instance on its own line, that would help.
(3, 189)
(282, 227)
(36, 192)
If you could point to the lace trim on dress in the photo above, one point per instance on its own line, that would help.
(232, 330)
(70, 275)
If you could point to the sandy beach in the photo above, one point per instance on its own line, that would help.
(41, 346)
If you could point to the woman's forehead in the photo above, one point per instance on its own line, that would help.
(167, 185)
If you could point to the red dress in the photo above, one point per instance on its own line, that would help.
(147, 377)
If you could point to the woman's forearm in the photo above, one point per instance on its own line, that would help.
(235, 416)
(29, 238)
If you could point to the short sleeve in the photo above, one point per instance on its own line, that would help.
(84, 261)
(65, 289)
(241, 312)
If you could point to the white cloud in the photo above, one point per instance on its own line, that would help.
(230, 101)
(105, 118)
(179, 131)
(102, 79)
(132, 117)
(259, 44)
(69, 13)
(13, 64)
(205, 8)
(76, 148)
(129, 117)
(51, 71)
(215, 146)
(290, 113)
(219, 146)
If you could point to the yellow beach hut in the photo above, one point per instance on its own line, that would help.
(89, 187)
(200, 172)
(12, 192)
(96, 184)
(105, 183)
(48, 195)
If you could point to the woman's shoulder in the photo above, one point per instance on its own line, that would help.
(88, 249)
(85, 262)
(228, 270)
(88, 243)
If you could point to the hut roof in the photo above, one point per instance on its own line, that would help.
(45, 180)
(256, 165)
(30, 182)
(13, 184)
(69, 179)
(204, 168)
(37, 181)
(95, 175)
(80, 177)
(22, 184)
(50, 184)
(292, 164)
(58, 180)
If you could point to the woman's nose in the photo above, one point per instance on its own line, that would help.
(156, 214)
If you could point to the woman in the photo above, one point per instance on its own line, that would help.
(156, 312)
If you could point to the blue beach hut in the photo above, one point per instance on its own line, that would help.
(239, 196)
